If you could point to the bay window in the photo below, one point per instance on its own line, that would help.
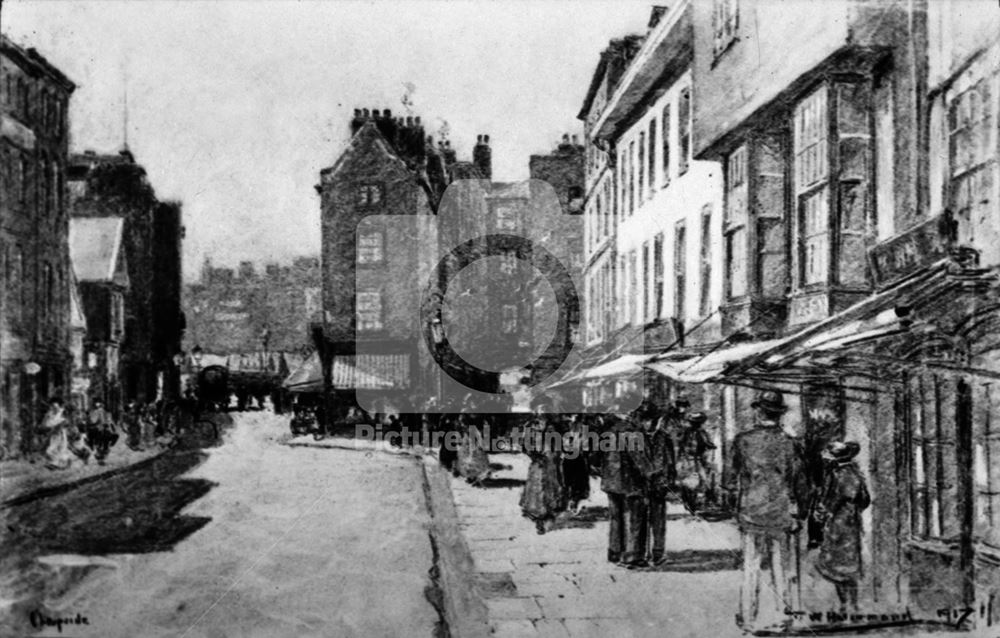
(811, 171)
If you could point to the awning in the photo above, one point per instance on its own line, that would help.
(370, 371)
(699, 369)
(308, 377)
(625, 365)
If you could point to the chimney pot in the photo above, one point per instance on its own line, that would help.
(387, 114)
(573, 139)
(565, 137)
(409, 121)
(416, 120)
(479, 139)
(364, 113)
(357, 112)
(486, 139)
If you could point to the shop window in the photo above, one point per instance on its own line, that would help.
(680, 268)
(933, 458)
(986, 462)
(725, 24)
(371, 248)
(369, 310)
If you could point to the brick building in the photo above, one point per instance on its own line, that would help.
(232, 311)
(374, 275)
(34, 225)
(117, 186)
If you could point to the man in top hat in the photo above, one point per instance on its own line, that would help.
(765, 469)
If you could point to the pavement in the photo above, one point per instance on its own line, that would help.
(22, 480)
(561, 584)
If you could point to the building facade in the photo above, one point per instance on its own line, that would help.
(375, 274)
(35, 362)
(117, 186)
(235, 311)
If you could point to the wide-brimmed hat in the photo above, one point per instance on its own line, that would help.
(770, 401)
(843, 450)
(696, 418)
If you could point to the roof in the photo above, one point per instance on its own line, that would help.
(368, 133)
(34, 62)
(95, 247)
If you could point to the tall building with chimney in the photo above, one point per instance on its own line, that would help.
(35, 361)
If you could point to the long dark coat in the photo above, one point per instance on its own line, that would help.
(473, 462)
(626, 464)
(767, 467)
(661, 456)
(844, 498)
(544, 494)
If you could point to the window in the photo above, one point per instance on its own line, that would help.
(705, 265)
(369, 310)
(624, 306)
(736, 223)
(684, 131)
(972, 157)
(986, 462)
(933, 459)
(635, 316)
(666, 145)
(631, 177)
(507, 218)
(658, 275)
(647, 305)
(117, 315)
(811, 171)
(24, 176)
(48, 293)
(680, 268)
(725, 22)
(369, 194)
(641, 172)
(508, 262)
(652, 154)
(370, 248)
(620, 185)
(508, 319)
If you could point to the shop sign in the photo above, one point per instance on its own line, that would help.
(908, 252)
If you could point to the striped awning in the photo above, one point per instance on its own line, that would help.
(371, 371)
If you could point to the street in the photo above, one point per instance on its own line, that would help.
(250, 538)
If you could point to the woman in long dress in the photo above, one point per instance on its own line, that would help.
(473, 462)
(544, 495)
(57, 454)
(844, 497)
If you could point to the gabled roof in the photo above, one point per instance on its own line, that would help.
(367, 134)
(95, 247)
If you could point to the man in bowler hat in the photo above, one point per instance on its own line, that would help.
(765, 469)
(626, 471)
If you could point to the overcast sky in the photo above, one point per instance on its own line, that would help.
(234, 107)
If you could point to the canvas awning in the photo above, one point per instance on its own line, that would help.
(699, 369)
(308, 377)
(625, 365)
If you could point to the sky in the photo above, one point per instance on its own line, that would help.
(234, 107)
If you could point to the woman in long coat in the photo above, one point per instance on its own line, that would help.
(544, 495)
(844, 498)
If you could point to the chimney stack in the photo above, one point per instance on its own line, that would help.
(482, 156)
